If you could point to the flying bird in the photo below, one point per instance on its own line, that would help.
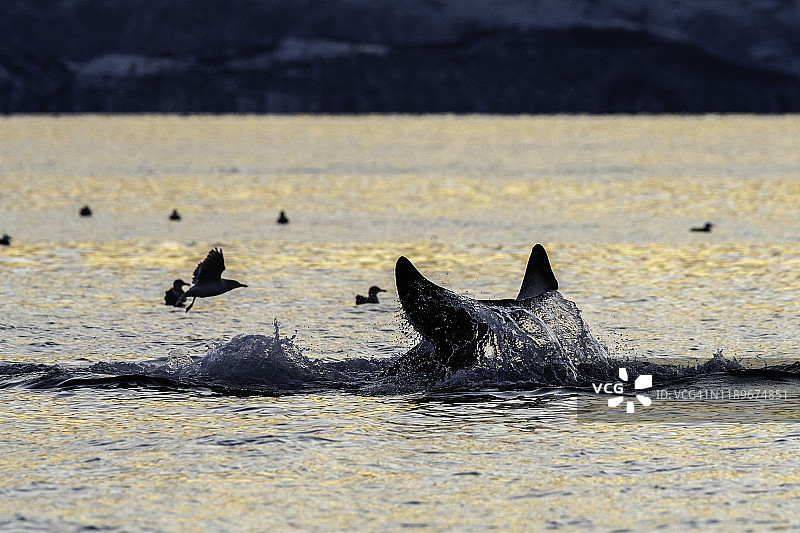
(175, 296)
(207, 278)
(373, 296)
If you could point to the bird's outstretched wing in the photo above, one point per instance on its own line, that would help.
(210, 269)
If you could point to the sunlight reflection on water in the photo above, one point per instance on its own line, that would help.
(612, 199)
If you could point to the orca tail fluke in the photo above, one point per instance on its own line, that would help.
(406, 271)
(539, 277)
(406, 275)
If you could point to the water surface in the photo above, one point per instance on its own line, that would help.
(611, 198)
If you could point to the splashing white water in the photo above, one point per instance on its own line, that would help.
(257, 359)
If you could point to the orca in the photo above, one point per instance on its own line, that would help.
(538, 335)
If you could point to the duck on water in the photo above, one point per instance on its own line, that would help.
(372, 298)
(175, 296)
(706, 228)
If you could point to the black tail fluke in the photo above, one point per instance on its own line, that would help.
(539, 277)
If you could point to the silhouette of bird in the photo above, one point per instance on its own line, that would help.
(373, 296)
(6, 240)
(175, 215)
(705, 228)
(174, 296)
(282, 218)
(207, 278)
(85, 211)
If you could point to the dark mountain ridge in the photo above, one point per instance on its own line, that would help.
(287, 57)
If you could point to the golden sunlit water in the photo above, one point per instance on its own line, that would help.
(464, 197)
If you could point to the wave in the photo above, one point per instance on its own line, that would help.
(251, 364)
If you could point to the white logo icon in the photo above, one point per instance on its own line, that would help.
(644, 381)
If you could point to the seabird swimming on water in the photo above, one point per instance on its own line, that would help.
(705, 228)
(175, 296)
(373, 296)
(282, 218)
(6, 240)
(85, 211)
(175, 215)
(207, 278)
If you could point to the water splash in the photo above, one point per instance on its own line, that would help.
(541, 340)
(256, 359)
(557, 351)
